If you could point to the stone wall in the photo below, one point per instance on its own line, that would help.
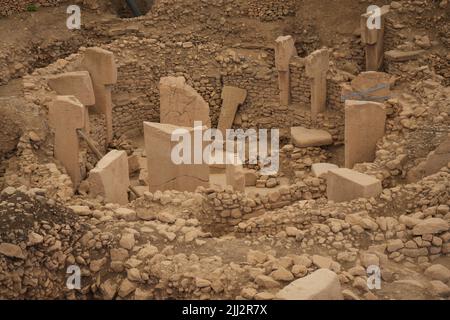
(226, 208)
(269, 10)
(300, 83)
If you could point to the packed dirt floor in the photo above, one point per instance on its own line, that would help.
(218, 240)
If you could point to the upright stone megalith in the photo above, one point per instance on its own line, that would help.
(316, 68)
(110, 178)
(364, 126)
(180, 104)
(372, 36)
(165, 170)
(284, 51)
(66, 115)
(103, 70)
(77, 84)
(232, 97)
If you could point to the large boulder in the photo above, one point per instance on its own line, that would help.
(322, 284)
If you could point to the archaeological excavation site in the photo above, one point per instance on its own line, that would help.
(225, 150)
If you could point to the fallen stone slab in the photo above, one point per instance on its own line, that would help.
(320, 170)
(303, 137)
(322, 284)
(398, 55)
(345, 185)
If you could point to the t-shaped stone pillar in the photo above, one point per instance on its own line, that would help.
(103, 70)
(66, 115)
(316, 68)
(372, 36)
(232, 97)
(77, 84)
(284, 51)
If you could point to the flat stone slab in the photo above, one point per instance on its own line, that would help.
(397, 55)
(322, 284)
(303, 137)
(345, 185)
(320, 170)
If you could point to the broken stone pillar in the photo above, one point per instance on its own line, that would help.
(232, 97)
(66, 115)
(110, 178)
(77, 84)
(316, 68)
(103, 70)
(321, 169)
(345, 185)
(235, 175)
(284, 51)
(364, 126)
(180, 104)
(322, 284)
(368, 86)
(373, 38)
(435, 161)
(163, 171)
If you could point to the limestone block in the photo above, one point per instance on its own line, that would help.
(373, 39)
(364, 126)
(284, 51)
(232, 97)
(345, 185)
(103, 71)
(78, 84)
(320, 170)
(368, 86)
(435, 161)
(316, 68)
(110, 178)
(235, 176)
(322, 284)
(66, 114)
(303, 137)
(163, 172)
(180, 104)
